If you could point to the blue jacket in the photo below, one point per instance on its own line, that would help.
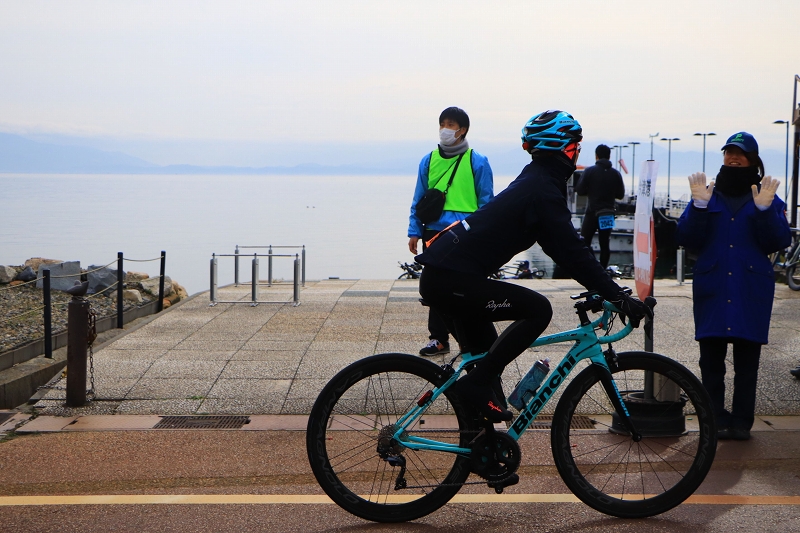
(734, 283)
(484, 191)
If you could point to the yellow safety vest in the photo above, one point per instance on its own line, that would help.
(461, 196)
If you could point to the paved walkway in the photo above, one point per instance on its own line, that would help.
(273, 359)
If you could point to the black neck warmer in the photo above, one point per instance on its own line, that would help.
(557, 161)
(736, 181)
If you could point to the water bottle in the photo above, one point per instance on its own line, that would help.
(527, 387)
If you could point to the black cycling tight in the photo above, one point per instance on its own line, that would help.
(475, 302)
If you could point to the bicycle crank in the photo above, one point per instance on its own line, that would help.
(496, 457)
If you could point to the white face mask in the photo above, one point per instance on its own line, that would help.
(447, 137)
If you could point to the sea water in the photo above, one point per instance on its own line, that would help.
(351, 226)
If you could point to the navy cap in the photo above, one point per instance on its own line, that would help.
(742, 140)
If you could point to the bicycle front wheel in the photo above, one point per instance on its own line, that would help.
(600, 461)
(354, 417)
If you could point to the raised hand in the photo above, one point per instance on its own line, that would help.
(697, 184)
(764, 197)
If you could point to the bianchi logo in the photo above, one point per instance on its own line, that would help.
(493, 306)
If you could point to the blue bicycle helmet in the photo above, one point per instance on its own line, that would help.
(551, 130)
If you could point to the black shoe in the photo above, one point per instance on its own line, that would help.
(795, 372)
(733, 434)
(497, 388)
(435, 348)
(483, 398)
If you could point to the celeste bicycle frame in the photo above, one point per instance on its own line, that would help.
(587, 345)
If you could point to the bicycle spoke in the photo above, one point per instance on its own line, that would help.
(623, 479)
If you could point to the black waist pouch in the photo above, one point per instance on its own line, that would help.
(442, 244)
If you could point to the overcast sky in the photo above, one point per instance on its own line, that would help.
(368, 71)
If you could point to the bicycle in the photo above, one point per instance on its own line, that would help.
(789, 261)
(389, 441)
(411, 271)
(626, 272)
(521, 270)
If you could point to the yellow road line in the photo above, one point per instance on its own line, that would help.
(287, 499)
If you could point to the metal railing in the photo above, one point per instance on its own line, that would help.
(269, 256)
(254, 282)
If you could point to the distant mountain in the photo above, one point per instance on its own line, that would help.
(21, 155)
(24, 156)
(60, 154)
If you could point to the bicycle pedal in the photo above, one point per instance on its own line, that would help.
(498, 486)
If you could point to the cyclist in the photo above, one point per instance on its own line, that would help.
(533, 208)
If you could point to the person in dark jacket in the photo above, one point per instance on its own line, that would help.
(458, 260)
(732, 225)
(602, 183)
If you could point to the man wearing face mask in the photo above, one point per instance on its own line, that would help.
(732, 225)
(467, 177)
(533, 208)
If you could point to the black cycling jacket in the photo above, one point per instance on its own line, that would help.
(602, 184)
(533, 208)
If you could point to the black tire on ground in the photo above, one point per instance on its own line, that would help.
(793, 278)
(609, 471)
(347, 419)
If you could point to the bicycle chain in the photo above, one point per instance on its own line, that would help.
(460, 432)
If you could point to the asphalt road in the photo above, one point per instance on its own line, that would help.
(753, 486)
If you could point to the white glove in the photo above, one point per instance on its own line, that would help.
(764, 197)
(700, 193)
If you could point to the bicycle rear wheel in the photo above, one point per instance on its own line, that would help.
(610, 472)
(356, 409)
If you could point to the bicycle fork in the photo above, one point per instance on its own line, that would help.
(613, 394)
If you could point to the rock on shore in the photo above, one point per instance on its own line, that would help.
(21, 302)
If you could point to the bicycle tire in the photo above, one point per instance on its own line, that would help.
(610, 472)
(793, 277)
(347, 419)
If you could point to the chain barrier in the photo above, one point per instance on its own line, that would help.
(91, 336)
(105, 291)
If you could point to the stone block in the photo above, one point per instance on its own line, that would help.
(101, 280)
(132, 295)
(7, 274)
(27, 274)
(136, 276)
(70, 269)
(36, 262)
(151, 285)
